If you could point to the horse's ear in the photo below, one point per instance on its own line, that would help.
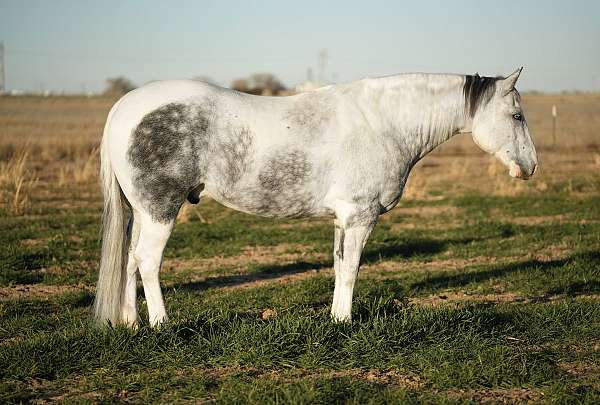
(508, 84)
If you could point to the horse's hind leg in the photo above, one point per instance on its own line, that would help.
(129, 313)
(148, 254)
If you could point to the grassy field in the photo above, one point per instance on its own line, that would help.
(477, 288)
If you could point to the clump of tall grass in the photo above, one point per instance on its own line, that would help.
(17, 181)
(83, 168)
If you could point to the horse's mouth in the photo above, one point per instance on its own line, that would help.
(517, 172)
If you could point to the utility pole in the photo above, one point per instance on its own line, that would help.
(554, 114)
(2, 71)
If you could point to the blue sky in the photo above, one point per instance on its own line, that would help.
(71, 45)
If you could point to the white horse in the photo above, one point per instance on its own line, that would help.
(343, 151)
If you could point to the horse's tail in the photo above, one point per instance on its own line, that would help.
(115, 241)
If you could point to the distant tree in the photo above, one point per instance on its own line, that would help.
(240, 85)
(266, 82)
(117, 86)
(259, 83)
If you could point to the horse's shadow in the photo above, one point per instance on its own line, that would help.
(410, 249)
(405, 250)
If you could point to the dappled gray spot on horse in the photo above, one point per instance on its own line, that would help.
(282, 189)
(309, 115)
(231, 156)
(166, 152)
(284, 170)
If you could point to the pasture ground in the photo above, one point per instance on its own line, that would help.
(476, 288)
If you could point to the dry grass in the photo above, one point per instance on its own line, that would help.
(55, 128)
(17, 181)
(82, 169)
(55, 141)
(48, 143)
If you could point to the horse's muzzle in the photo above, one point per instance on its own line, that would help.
(517, 172)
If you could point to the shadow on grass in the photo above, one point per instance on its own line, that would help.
(415, 248)
(411, 249)
(589, 258)
(263, 273)
(23, 267)
(577, 288)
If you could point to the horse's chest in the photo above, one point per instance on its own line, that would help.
(391, 188)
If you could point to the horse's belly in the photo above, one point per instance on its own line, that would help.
(293, 201)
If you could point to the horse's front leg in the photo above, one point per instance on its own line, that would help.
(350, 240)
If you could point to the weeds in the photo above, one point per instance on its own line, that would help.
(17, 182)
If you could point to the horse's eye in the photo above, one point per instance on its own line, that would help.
(518, 117)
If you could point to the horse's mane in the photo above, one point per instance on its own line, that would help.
(478, 91)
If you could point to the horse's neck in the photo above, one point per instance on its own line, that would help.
(421, 111)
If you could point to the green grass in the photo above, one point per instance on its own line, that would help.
(217, 346)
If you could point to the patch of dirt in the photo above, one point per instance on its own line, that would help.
(11, 340)
(390, 377)
(537, 220)
(448, 264)
(542, 219)
(426, 211)
(268, 314)
(381, 377)
(74, 238)
(577, 369)
(572, 348)
(458, 296)
(306, 224)
(446, 225)
(552, 252)
(502, 396)
(37, 290)
(278, 254)
(35, 242)
(450, 297)
(92, 397)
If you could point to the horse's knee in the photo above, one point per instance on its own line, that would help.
(148, 264)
